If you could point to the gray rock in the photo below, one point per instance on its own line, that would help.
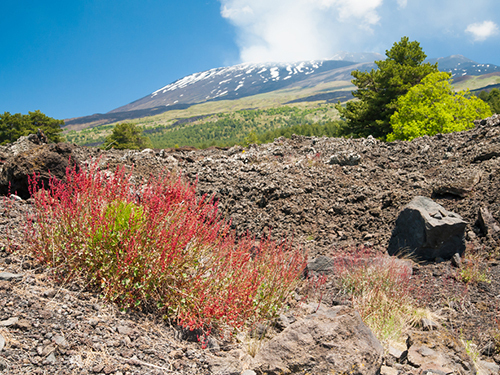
(487, 222)
(321, 265)
(394, 352)
(330, 340)
(2, 342)
(9, 322)
(448, 354)
(51, 359)
(456, 261)
(7, 276)
(487, 368)
(124, 330)
(60, 341)
(425, 230)
(386, 370)
(345, 158)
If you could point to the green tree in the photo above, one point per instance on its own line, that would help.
(378, 90)
(492, 98)
(432, 107)
(14, 126)
(127, 136)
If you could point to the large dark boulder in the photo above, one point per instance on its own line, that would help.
(425, 230)
(44, 160)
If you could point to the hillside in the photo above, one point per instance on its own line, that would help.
(331, 196)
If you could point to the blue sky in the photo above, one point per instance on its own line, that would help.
(75, 58)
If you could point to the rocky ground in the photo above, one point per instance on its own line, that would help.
(328, 194)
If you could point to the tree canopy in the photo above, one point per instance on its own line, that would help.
(14, 126)
(432, 107)
(127, 136)
(379, 89)
(492, 98)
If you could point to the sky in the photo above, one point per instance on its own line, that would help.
(76, 58)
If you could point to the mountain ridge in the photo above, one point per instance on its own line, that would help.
(250, 79)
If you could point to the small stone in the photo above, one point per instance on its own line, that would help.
(50, 293)
(9, 322)
(108, 369)
(456, 261)
(93, 322)
(60, 341)
(248, 372)
(23, 324)
(47, 350)
(2, 342)
(7, 276)
(471, 236)
(124, 330)
(51, 359)
(97, 368)
(396, 353)
(176, 354)
(385, 370)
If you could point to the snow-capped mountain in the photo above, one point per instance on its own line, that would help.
(460, 66)
(243, 80)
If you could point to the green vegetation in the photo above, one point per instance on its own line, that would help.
(14, 126)
(224, 128)
(127, 136)
(162, 247)
(378, 90)
(492, 98)
(432, 107)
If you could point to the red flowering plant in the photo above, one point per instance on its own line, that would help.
(158, 242)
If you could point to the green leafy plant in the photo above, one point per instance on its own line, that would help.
(432, 107)
(158, 244)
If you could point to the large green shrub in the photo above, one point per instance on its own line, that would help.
(432, 107)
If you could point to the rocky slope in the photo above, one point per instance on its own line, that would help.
(328, 194)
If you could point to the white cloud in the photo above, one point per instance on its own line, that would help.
(482, 30)
(402, 3)
(285, 30)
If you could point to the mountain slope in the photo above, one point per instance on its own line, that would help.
(244, 80)
(309, 81)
